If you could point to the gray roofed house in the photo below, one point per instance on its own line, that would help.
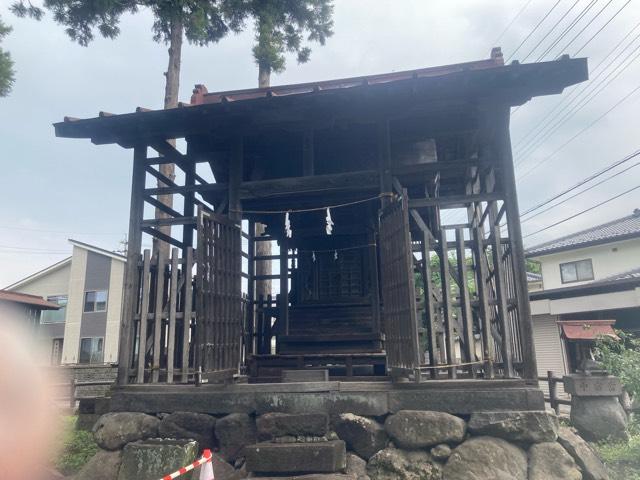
(619, 229)
(590, 275)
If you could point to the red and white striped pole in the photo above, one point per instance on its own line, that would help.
(206, 457)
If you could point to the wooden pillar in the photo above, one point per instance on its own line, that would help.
(373, 282)
(308, 153)
(384, 160)
(130, 300)
(465, 300)
(425, 246)
(505, 158)
(446, 303)
(251, 290)
(284, 287)
(189, 201)
(235, 178)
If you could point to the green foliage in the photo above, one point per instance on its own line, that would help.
(202, 20)
(533, 267)
(622, 359)
(6, 64)
(281, 27)
(78, 447)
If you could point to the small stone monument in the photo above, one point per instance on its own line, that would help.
(595, 408)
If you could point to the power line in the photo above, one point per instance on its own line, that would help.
(583, 211)
(513, 20)
(569, 27)
(583, 29)
(534, 30)
(623, 99)
(550, 31)
(571, 109)
(591, 187)
(582, 182)
(602, 28)
(28, 229)
(571, 97)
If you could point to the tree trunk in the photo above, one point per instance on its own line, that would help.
(171, 90)
(263, 287)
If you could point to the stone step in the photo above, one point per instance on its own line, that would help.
(279, 458)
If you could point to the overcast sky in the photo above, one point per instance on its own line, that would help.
(52, 189)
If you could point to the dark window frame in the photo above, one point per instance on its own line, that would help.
(575, 265)
(95, 358)
(63, 309)
(95, 302)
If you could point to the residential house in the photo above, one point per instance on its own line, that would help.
(24, 309)
(88, 288)
(591, 282)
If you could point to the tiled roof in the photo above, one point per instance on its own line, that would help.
(534, 277)
(626, 275)
(619, 229)
(32, 300)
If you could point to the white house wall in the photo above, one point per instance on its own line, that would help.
(114, 311)
(75, 306)
(607, 260)
(587, 303)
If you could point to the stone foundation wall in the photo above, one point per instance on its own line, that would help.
(408, 444)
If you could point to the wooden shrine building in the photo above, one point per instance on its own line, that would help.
(390, 201)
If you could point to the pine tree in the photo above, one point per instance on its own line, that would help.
(6, 64)
(200, 21)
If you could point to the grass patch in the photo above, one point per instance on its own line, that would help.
(623, 459)
(78, 447)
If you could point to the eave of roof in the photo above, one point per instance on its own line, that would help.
(473, 80)
(98, 250)
(25, 299)
(41, 273)
(620, 229)
(593, 288)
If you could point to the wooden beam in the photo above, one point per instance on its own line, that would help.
(163, 222)
(131, 285)
(453, 200)
(166, 238)
(158, 204)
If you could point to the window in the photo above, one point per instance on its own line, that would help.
(579, 271)
(55, 316)
(91, 350)
(56, 351)
(95, 301)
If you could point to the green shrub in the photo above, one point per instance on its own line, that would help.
(78, 447)
(622, 359)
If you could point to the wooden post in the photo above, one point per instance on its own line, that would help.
(188, 308)
(384, 160)
(134, 240)
(465, 300)
(284, 287)
(553, 392)
(173, 307)
(251, 290)
(374, 284)
(235, 178)
(503, 147)
(501, 293)
(157, 328)
(446, 303)
(430, 314)
(144, 315)
(308, 166)
(189, 201)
